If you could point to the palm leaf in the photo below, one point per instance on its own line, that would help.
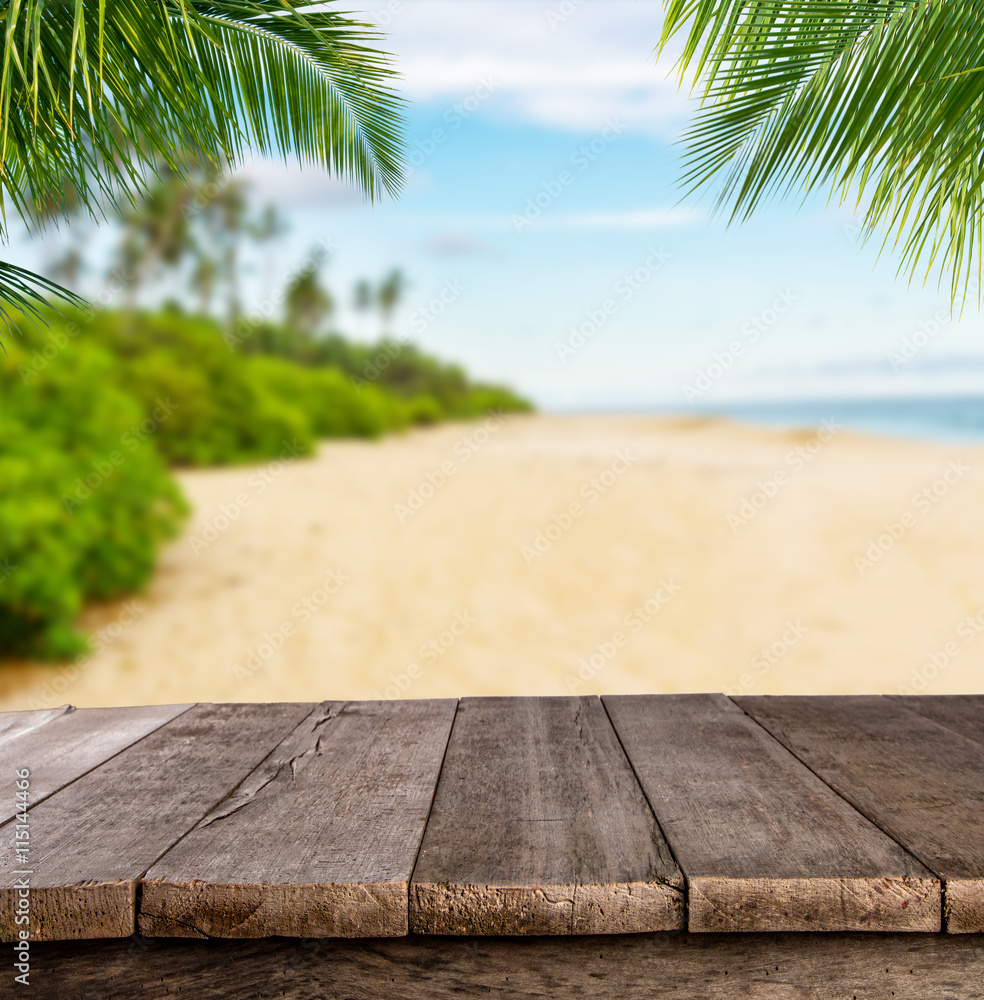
(97, 97)
(881, 101)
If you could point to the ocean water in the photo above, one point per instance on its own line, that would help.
(951, 419)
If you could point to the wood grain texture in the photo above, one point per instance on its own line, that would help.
(763, 843)
(963, 713)
(539, 827)
(921, 782)
(319, 841)
(14, 724)
(92, 841)
(620, 967)
(73, 743)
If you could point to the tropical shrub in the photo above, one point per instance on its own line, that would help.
(333, 406)
(85, 497)
(222, 414)
(434, 389)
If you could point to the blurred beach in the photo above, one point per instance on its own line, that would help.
(556, 555)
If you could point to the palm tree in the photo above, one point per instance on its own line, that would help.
(878, 100)
(362, 294)
(307, 303)
(156, 234)
(388, 297)
(97, 99)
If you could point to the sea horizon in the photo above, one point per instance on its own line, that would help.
(949, 419)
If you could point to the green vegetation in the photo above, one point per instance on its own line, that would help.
(432, 389)
(140, 109)
(85, 497)
(221, 414)
(880, 100)
(93, 410)
(101, 99)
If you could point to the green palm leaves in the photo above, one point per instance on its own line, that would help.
(97, 95)
(879, 99)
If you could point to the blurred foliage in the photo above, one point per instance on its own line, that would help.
(85, 498)
(93, 409)
(221, 413)
(433, 389)
(331, 404)
(97, 98)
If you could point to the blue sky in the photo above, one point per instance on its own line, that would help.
(563, 100)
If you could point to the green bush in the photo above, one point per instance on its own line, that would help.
(397, 368)
(424, 409)
(85, 498)
(333, 406)
(222, 414)
(480, 399)
(93, 409)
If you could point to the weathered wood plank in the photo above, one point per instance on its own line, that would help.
(963, 713)
(14, 724)
(73, 743)
(922, 783)
(619, 967)
(91, 842)
(539, 827)
(763, 843)
(319, 841)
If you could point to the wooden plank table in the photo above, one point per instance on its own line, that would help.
(539, 827)
(634, 846)
(766, 845)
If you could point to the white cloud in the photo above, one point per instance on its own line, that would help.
(455, 243)
(571, 73)
(290, 185)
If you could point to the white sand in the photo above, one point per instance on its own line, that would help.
(787, 579)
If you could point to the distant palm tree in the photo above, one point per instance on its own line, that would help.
(388, 297)
(881, 100)
(96, 99)
(266, 229)
(362, 295)
(156, 234)
(308, 303)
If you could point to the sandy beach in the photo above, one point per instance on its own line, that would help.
(552, 555)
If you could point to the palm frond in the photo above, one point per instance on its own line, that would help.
(96, 98)
(28, 292)
(879, 100)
